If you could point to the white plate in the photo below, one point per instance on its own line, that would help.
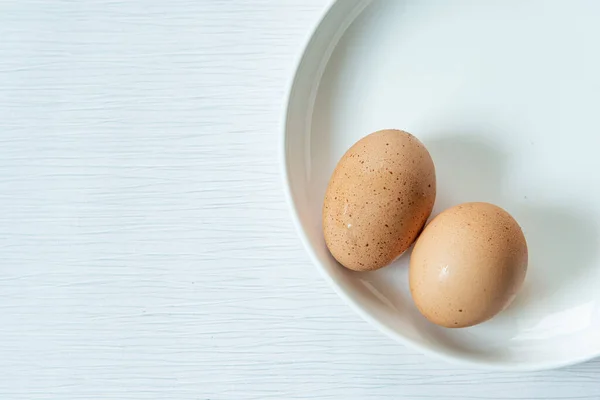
(506, 97)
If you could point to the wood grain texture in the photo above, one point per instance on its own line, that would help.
(146, 251)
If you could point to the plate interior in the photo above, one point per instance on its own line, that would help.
(505, 95)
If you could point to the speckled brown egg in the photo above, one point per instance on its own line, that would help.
(467, 265)
(378, 199)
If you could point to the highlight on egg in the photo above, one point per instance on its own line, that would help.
(378, 199)
(467, 265)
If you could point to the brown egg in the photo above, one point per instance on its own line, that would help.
(378, 199)
(467, 265)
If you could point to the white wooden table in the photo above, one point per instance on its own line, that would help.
(146, 251)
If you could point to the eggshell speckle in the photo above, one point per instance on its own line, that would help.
(378, 199)
(468, 265)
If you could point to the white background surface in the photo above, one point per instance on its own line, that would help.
(146, 251)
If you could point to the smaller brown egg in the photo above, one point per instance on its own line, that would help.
(467, 265)
(378, 199)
